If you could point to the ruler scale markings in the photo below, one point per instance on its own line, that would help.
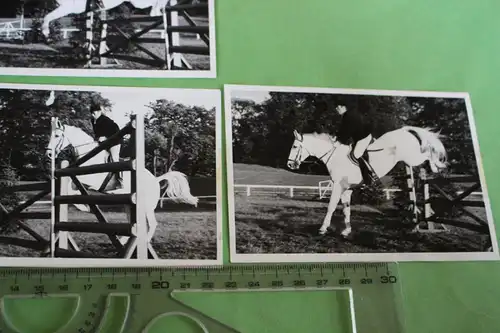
(102, 282)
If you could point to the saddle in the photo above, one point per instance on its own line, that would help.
(367, 172)
(365, 157)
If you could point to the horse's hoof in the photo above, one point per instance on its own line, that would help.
(345, 234)
(322, 232)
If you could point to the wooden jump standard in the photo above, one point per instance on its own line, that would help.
(62, 244)
(17, 215)
(168, 22)
(431, 217)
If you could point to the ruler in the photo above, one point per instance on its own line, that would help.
(132, 300)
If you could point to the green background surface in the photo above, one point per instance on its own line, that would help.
(441, 45)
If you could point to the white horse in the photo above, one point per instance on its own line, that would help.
(68, 7)
(178, 189)
(411, 145)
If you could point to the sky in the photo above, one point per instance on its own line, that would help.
(125, 102)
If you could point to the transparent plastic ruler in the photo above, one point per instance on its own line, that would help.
(132, 300)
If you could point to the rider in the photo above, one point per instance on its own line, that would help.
(356, 127)
(104, 128)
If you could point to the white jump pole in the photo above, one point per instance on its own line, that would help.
(142, 228)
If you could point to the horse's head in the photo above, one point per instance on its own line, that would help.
(58, 140)
(320, 145)
(297, 153)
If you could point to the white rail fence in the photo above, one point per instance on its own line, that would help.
(323, 190)
(14, 30)
(292, 191)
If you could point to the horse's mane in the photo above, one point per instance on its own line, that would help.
(322, 136)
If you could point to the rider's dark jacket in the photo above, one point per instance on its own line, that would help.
(104, 126)
(354, 126)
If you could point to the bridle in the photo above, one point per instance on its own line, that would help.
(298, 156)
(60, 142)
(329, 152)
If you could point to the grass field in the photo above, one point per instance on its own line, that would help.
(277, 224)
(182, 233)
(253, 174)
(264, 225)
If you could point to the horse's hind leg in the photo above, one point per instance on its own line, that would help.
(152, 224)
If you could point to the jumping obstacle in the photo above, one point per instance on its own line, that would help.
(17, 215)
(432, 216)
(92, 7)
(435, 207)
(137, 246)
(411, 189)
(168, 22)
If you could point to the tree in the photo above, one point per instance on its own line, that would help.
(448, 116)
(37, 14)
(25, 125)
(184, 137)
(262, 133)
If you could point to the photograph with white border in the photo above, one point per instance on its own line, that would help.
(108, 38)
(336, 175)
(111, 176)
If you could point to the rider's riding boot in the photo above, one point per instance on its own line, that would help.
(369, 176)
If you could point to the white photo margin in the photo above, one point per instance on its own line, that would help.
(129, 73)
(118, 262)
(235, 257)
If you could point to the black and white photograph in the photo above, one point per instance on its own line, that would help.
(108, 38)
(109, 175)
(323, 174)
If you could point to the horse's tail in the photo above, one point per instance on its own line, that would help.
(178, 188)
(431, 144)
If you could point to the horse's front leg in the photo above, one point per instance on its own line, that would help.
(346, 203)
(332, 205)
